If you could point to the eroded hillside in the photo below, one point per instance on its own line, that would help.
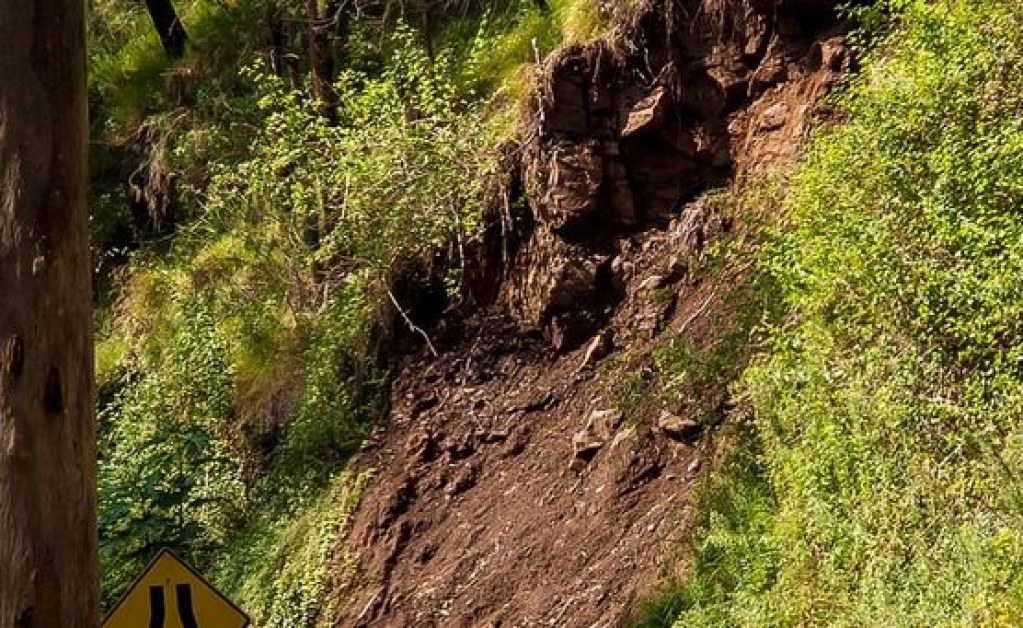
(536, 469)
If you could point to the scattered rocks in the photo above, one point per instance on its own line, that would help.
(600, 428)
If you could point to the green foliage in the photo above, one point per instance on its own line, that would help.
(281, 570)
(169, 474)
(330, 418)
(695, 372)
(237, 350)
(405, 169)
(877, 483)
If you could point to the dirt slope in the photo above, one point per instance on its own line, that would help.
(508, 489)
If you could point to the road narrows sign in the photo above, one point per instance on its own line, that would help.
(170, 594)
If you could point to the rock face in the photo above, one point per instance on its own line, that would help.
(621, 138)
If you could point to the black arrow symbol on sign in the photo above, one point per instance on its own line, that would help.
(158, 607)
(185, 612)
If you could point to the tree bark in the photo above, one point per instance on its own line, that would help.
(321, 61)
(170, 29)
(48, 546)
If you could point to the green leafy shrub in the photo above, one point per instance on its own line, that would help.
(169, 473)
(282, 569)
(237, 360)
(877, 484)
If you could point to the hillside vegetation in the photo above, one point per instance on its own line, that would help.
(873, 477)
(247, 247)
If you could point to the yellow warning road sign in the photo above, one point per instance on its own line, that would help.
(170, 594)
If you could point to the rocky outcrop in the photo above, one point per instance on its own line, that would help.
(620, 138)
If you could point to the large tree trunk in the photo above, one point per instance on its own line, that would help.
(168, 27)
(48, 547)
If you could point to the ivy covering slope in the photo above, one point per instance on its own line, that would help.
(876, 478)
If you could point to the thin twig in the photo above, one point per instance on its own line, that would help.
(696, 314)
(368, 606)
(413, 326)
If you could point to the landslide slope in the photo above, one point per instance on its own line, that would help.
(533, 470)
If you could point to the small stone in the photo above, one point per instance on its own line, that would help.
(489, 438)
(648, 113)
(603, 423)
(774, 117)
(616, 264)
(678, 266)
(542, 403)
(421, 446)
(678, 428)
(464, 480)
(460, 448)
(653, 282)
(585, 445)
(599, 347)
(623, 436)
(694, 466)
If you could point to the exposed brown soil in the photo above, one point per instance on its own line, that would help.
(508, 491)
